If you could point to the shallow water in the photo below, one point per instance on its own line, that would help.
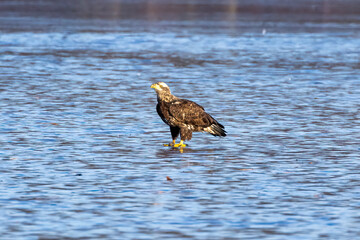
(81, 143)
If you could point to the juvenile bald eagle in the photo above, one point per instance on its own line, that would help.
(184, 116)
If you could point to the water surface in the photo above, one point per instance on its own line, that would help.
(81, 143)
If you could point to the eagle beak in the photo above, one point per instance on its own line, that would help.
(155, 86)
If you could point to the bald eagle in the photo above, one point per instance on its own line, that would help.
(184, 116)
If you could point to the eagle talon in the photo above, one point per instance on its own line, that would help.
(180, 144)
(170, 144)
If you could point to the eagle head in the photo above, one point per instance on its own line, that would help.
(162, 91)
(160, 86)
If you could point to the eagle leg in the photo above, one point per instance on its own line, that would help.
(185, 134)
(175, 131)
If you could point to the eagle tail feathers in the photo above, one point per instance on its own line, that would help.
(216, 129)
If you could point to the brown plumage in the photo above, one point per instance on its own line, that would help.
(184, 116)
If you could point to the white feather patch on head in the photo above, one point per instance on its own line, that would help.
(162, 84)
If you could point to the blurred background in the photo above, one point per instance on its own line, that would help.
(81, 154)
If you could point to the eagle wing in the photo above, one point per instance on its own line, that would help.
(189, 113)
(161, 112)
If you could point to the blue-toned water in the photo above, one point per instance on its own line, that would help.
(81, 154)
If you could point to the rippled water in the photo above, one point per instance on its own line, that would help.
(81, 143)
